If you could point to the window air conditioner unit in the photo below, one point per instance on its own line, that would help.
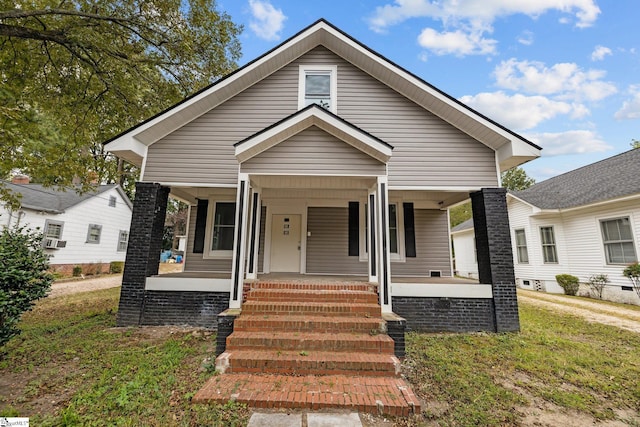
(50, 243)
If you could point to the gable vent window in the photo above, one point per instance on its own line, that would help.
(112, 201)
(318, 86)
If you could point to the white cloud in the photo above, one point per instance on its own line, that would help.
(517, 111)
(456, 42)
(630, 109)
(570, 142)
(526, 38)
(600, 52)
(267, 21)
(566, 80)
(465, 21)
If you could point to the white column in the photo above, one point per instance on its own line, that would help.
(384, 255)
(372, 238)
(239, 241)
(254, 235)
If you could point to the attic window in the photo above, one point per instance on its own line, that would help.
(318, 85)
(112, 201)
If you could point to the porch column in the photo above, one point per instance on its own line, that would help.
(254, 235)
(384, 257)
(371, 228)
(239, 241)
(495, 256)
(143, 250)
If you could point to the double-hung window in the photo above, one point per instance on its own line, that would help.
(123, 240)
(318, 85)
(548, 240)
(393, 228)
(93, 235)
(617, 238)
(521, 247)
(53, 229)
(224, 217)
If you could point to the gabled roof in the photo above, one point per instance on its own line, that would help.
(463, 226)
(313, 115)
(608, 179)
(512, 149)
(38, 198)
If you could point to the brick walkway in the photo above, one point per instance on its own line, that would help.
(311, 346)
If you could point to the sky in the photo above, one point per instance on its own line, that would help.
(565, 74)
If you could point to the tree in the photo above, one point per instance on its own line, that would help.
(516, 179)
(635, 143)
(632, 272)
(77, 73)
(24, 276)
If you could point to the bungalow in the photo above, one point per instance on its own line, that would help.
(321, 160)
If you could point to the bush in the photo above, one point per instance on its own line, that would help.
(633, 273)
(77, 271)
(569, 283)
(116, 267)
(597, 282)
(24, 276)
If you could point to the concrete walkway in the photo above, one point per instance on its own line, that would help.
(313, 419)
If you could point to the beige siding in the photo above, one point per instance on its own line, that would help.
(327, 247)
(196, 262)
(432, 246)
(427, 150)
(313, 151)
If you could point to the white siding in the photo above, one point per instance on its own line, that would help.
(95, 210)
(427, 150)
(465, 254)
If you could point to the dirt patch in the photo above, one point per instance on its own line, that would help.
(594, 312)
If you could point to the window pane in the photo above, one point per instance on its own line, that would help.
(624, 228)
(225, 213)
(223, 238)
(223, 226)
(54, 231)
(523, 255)
(393, 229)
(318, 85)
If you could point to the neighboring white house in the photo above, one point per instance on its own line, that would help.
(464, 249)
(583, 222)
(79, 229)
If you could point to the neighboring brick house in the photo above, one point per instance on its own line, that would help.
(322, 158)
(90, 229)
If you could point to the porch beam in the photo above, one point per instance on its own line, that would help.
(384, 268)
(239, 242)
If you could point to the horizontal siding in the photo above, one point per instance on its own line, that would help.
(327, 246)
(314, 151)
(196, 262)
(432, 246)
(427, 150)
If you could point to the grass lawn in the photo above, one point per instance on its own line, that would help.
(70, 366)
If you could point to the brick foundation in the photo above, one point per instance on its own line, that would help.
(445, 314)
(87, 268)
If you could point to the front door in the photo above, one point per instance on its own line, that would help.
(285, 243)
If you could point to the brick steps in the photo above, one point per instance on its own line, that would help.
(308, 363)
(260, 322)
(305, 295)
(310, 341)
(385, 395)
(310, 308)
(310, 346)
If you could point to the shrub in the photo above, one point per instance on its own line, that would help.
(77, 270)
(597, 282)
(24, 276)
(569, 283)
(633, 273)
(116, 267)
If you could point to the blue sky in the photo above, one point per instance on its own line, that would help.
(563, 73)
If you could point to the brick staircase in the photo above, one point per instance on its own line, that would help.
(311, 346)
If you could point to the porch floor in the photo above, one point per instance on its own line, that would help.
(317, 278)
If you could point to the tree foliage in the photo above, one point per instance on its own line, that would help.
(516, 179)
(635, 143)
(75, 73)
(24, 276)
(632, 272)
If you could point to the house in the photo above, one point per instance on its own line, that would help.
(583, 222)
(321, 159)
(464, 249)
(90, 229)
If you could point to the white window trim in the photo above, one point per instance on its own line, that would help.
(53, 222)
(310, 69)
(600, 220)
(99, 228)
(555, 244)
(526, 245)
(208, 253)
(120, 240)
(400, 256)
